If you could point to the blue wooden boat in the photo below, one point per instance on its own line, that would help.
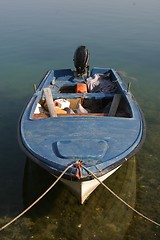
(81, 116)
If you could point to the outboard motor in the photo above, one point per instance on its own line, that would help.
(81, 59)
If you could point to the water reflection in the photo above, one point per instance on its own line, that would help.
(59, 215)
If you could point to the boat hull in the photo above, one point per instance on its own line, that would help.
(102, 140)
(83, 189)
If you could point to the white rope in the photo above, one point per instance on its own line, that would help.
(133, 209)
(27, 209)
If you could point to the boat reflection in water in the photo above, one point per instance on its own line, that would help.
(59, 216)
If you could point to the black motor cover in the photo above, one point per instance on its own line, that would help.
(81, 58)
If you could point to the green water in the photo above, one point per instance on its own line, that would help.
(39, 35)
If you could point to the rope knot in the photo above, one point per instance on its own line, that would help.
(78, 165)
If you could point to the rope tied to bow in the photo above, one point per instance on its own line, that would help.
(78, 165)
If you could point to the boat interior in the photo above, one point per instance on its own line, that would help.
(98, 95)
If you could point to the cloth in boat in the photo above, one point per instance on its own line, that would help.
(100, 83)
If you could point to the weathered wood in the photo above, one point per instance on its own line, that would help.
(40, 115)
(49, 101)
(44, 115)
(114, 105)
(83, 114)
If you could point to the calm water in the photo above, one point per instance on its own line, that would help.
(39, 35)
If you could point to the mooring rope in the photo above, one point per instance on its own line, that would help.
(27, 209)
(92, 174)
(113, 193)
